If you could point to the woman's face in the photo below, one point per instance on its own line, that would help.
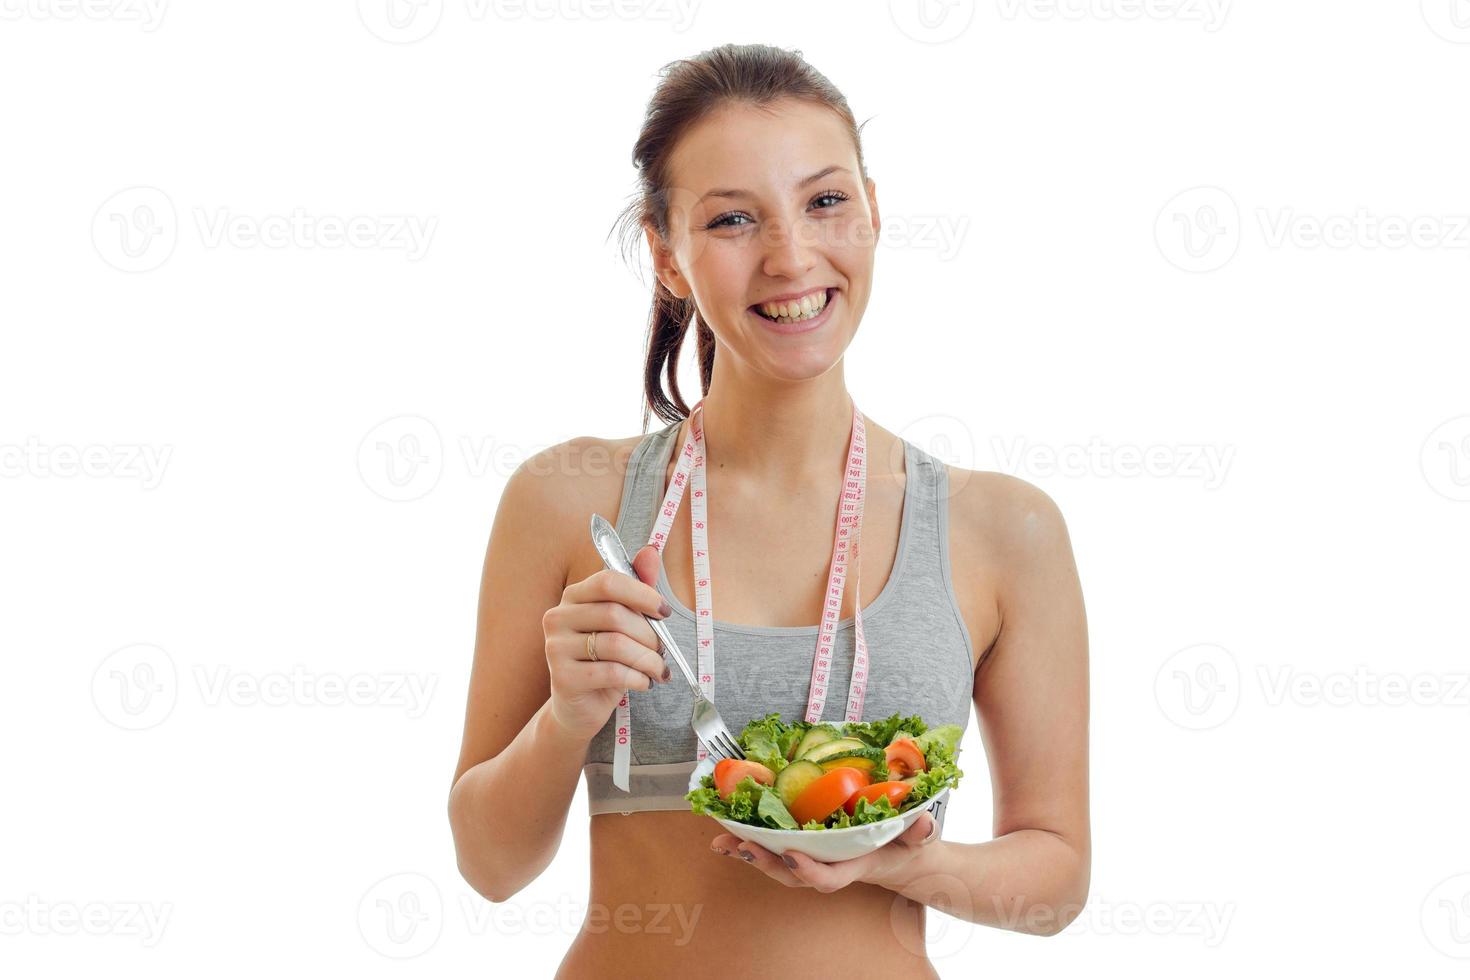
(768, 205)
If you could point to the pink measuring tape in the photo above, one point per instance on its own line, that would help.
(844, 551)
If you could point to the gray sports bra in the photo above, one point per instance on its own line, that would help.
(919, 650)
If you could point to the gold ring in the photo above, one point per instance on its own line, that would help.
(592, 646)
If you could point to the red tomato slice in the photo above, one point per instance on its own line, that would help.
(827, 793)
(894, 790)
(904, 758)
(729, 772)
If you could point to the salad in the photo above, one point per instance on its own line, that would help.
(825, 776)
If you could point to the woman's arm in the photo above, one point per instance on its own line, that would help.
(1031, 697)
(510, 739)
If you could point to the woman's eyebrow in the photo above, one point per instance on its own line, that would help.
(742, 193)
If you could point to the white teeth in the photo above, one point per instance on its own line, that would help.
(794, 312)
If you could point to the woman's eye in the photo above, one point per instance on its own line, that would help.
(723, 221)
(728, 220)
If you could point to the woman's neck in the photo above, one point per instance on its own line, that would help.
(778, 434)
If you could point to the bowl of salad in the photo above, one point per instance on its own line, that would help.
(831, 790)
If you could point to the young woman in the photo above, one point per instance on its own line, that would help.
(762, 223)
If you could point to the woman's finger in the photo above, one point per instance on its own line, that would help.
(765, 860)
(611, 648)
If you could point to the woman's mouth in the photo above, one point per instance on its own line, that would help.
(798, 318)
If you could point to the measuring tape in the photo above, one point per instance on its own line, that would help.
(691, 469)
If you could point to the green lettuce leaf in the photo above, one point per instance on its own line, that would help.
(880, 733)
(763, 740)
(774, 812)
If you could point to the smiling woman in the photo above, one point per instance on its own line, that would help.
(762, 222)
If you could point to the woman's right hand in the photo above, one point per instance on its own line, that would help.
(585, 692)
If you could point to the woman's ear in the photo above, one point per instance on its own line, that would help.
(873, 206)
(663, 264)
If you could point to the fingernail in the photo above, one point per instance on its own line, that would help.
(664, 610)
(667, 673)
(790, 861)
(718, 850)
(933, 832)
(747, 855)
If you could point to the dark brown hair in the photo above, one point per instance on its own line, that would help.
(750, 74)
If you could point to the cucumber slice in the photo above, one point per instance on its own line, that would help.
(817, 736)
(796, 777)
(834, 747)
(949, 735)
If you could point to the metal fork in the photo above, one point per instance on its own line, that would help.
(708, 726)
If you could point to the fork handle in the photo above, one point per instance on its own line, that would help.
(667, 639)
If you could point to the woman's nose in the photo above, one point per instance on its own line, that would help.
(788, 250)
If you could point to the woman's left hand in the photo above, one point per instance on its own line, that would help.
(800, 871)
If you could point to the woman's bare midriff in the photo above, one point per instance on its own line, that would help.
(663, 904)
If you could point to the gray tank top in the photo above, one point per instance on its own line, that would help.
(919, 650)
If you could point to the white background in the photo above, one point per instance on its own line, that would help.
(1228, 239)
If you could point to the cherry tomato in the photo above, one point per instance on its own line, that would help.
(893, 789)
(729, 772)
(827, 793)
(904, 758)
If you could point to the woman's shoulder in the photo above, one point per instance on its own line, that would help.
(577, 473)
(557, 490)
(1003, 514)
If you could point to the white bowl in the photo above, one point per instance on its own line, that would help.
(843, 844)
